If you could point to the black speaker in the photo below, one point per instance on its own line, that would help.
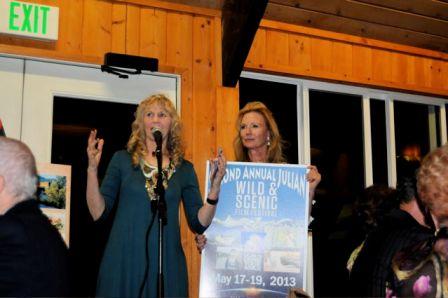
(138, 63)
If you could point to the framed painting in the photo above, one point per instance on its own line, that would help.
(53, 194)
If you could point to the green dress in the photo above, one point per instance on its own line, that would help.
(123, 264)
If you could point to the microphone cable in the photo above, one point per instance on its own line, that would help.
(145, 275)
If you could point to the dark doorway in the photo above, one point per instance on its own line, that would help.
(73, 119)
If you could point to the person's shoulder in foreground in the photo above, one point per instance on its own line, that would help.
(33, 256)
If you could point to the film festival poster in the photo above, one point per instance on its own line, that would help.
(257, 242)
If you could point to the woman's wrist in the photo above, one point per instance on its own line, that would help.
(213, 194)
(212, 202)
(92, 169)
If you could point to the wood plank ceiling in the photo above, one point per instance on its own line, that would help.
(418, 23)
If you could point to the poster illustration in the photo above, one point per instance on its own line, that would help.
(257, 242)
(53, 195)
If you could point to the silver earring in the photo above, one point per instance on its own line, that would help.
(269, 141)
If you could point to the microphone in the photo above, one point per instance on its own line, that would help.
(157, 134)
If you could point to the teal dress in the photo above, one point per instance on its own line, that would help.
(123, 264)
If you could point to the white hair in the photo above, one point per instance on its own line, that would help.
(18, 168)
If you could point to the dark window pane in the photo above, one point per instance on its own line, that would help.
(281, 99)
(437, 125)
(413, 133)
(337, 150)
(379, 145)
(72, 121)
(337, 142)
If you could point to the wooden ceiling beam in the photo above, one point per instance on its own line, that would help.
(372, 13)
(433, 9)
(305, 17)
(212, 4)
(240, 21)
(437, 9)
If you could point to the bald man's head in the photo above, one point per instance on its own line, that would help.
(17, 169)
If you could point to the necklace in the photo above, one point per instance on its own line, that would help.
(150, 172)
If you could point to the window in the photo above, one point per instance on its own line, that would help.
(383, 122)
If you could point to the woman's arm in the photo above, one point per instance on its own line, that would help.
(207, 212)
(95, 201)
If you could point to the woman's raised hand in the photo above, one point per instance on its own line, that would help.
(313, 177)
(218, 169)
(94, 150)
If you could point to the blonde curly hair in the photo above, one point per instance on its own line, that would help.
(136, 145)
(432, 183)
(275, 150)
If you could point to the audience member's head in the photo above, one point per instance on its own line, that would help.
(432, 184)
(18, 178)
(407, 180)
(374, 203)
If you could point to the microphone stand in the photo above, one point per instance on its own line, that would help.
(161, 209)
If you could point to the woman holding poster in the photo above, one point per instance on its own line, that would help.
(130, 260)
(258, 244)
(259, 140)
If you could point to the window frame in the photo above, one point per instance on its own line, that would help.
(366, 94)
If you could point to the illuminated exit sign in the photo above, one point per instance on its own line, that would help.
(29, 19)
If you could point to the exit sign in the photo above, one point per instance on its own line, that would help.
(29, 19)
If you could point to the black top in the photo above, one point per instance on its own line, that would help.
(33, 256)
(372, 268)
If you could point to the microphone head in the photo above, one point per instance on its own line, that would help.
(154, 129)
(157, 134)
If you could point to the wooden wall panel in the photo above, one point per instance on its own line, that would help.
(327, 55)
(342, 58)
(299, 52)
(227, 103)
(444, 74)
(133, 27)
(118, 42)
(205, 123)
(257, 53)
(382, 66)
(70, 40)
(362, 63)
(321, 55)
(277, 47)
(437, 79)
(96, 28)
(179, 39)
(179, 52)
(422, 67)
(153, 34)
(399, 68)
